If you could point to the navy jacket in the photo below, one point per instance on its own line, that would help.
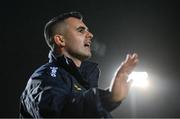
(60, 89)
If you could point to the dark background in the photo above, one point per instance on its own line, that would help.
(150, 28)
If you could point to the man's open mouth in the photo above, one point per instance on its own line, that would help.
(87, 44)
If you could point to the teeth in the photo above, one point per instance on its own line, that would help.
(88, 44)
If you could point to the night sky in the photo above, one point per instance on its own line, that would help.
(151, 28)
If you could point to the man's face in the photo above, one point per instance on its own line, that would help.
(77, 39)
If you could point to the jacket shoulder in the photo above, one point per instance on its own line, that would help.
(47, 69)
(51, 74)
(47, 75)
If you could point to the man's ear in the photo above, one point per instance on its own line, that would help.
(59, 40)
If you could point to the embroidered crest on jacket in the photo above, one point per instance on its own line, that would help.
(53, 71)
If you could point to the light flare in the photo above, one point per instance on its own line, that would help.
(139, 79)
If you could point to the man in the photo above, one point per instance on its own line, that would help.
(67, 86)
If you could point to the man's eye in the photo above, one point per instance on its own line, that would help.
(81, 30)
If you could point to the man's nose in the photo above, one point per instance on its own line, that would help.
(89, 35)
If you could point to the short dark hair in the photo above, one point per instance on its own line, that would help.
(50, 26)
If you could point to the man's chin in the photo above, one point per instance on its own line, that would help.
(87, 56)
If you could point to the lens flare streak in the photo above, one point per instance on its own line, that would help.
(139, 79)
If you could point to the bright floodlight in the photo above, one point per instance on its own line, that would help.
(139, 79)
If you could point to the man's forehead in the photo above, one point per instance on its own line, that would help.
(75, 22)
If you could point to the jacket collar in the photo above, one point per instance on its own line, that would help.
(53, 57)
(86, 67)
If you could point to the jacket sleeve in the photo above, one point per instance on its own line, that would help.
(39, 100)
(53, 100)
(86, 104)
(105, 97)
(45, 95)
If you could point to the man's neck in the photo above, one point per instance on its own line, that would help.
(76, 61)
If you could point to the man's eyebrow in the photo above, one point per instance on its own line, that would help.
(82, 28)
